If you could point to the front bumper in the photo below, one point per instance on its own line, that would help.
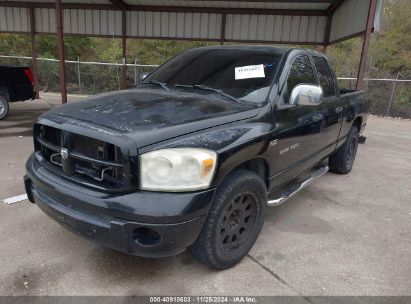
(150, 224)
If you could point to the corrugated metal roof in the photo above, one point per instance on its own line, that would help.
(151, 22)
(286, 29)
(179, 25)
(14, 19)
(349, 19)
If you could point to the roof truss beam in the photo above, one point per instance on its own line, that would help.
(183, 9)
(120, 4)
(278, 1)
(334, 6)
(63, 5)
(240, 11)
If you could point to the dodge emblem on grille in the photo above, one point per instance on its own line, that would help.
(64, 153)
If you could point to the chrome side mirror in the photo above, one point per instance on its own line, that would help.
(306, 95)
(144, 76)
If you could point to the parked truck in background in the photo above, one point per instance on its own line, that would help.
(16, 84)
(192, 157)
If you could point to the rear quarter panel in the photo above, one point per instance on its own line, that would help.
(356, 106)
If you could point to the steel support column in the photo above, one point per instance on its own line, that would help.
(223, 23)
(366, 41)
(124, 49)
(34, 50)
(327, 33)
(60, 48)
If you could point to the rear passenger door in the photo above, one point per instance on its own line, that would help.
(332, 108)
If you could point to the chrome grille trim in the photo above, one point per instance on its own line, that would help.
(106, 172)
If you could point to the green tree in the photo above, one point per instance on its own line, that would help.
(391, 48)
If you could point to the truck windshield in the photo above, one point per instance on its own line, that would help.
(244, 75)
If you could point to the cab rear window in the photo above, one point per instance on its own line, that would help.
(325, 76)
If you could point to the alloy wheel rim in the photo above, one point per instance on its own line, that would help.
(237, 222)
(2, 106)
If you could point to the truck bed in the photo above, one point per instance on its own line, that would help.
(348, 91)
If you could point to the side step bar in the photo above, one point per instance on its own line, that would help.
(298, 187)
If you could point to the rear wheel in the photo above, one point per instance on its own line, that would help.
(234, 221)
(4, 106)
(342, 161)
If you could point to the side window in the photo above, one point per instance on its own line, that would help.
(301, 72)
(325, 76)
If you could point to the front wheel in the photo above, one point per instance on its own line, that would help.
(342, 161)
(4, 107)
(234, 221)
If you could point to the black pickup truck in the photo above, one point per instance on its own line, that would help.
(191, 158)
(16, 84)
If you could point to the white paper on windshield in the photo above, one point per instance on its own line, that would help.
(250, 71)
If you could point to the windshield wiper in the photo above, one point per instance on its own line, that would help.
(162, 84)
(207, 88)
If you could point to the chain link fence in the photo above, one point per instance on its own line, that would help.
(388, 97)
(81, 77)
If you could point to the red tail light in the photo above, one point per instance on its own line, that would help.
(29, 75)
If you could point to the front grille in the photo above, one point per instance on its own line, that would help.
(81, 158)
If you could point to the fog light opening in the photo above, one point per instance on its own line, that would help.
(146, 237)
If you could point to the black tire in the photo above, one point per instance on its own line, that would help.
(4, 105)
(341, 162)
(234, 221)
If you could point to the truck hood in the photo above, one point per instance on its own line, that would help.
(152, 115)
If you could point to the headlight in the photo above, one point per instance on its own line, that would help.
(177, 169)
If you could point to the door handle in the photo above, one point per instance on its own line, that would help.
(338, 110)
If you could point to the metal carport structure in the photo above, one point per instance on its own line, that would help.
(304, 22)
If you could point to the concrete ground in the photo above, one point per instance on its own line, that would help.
(343, 235)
